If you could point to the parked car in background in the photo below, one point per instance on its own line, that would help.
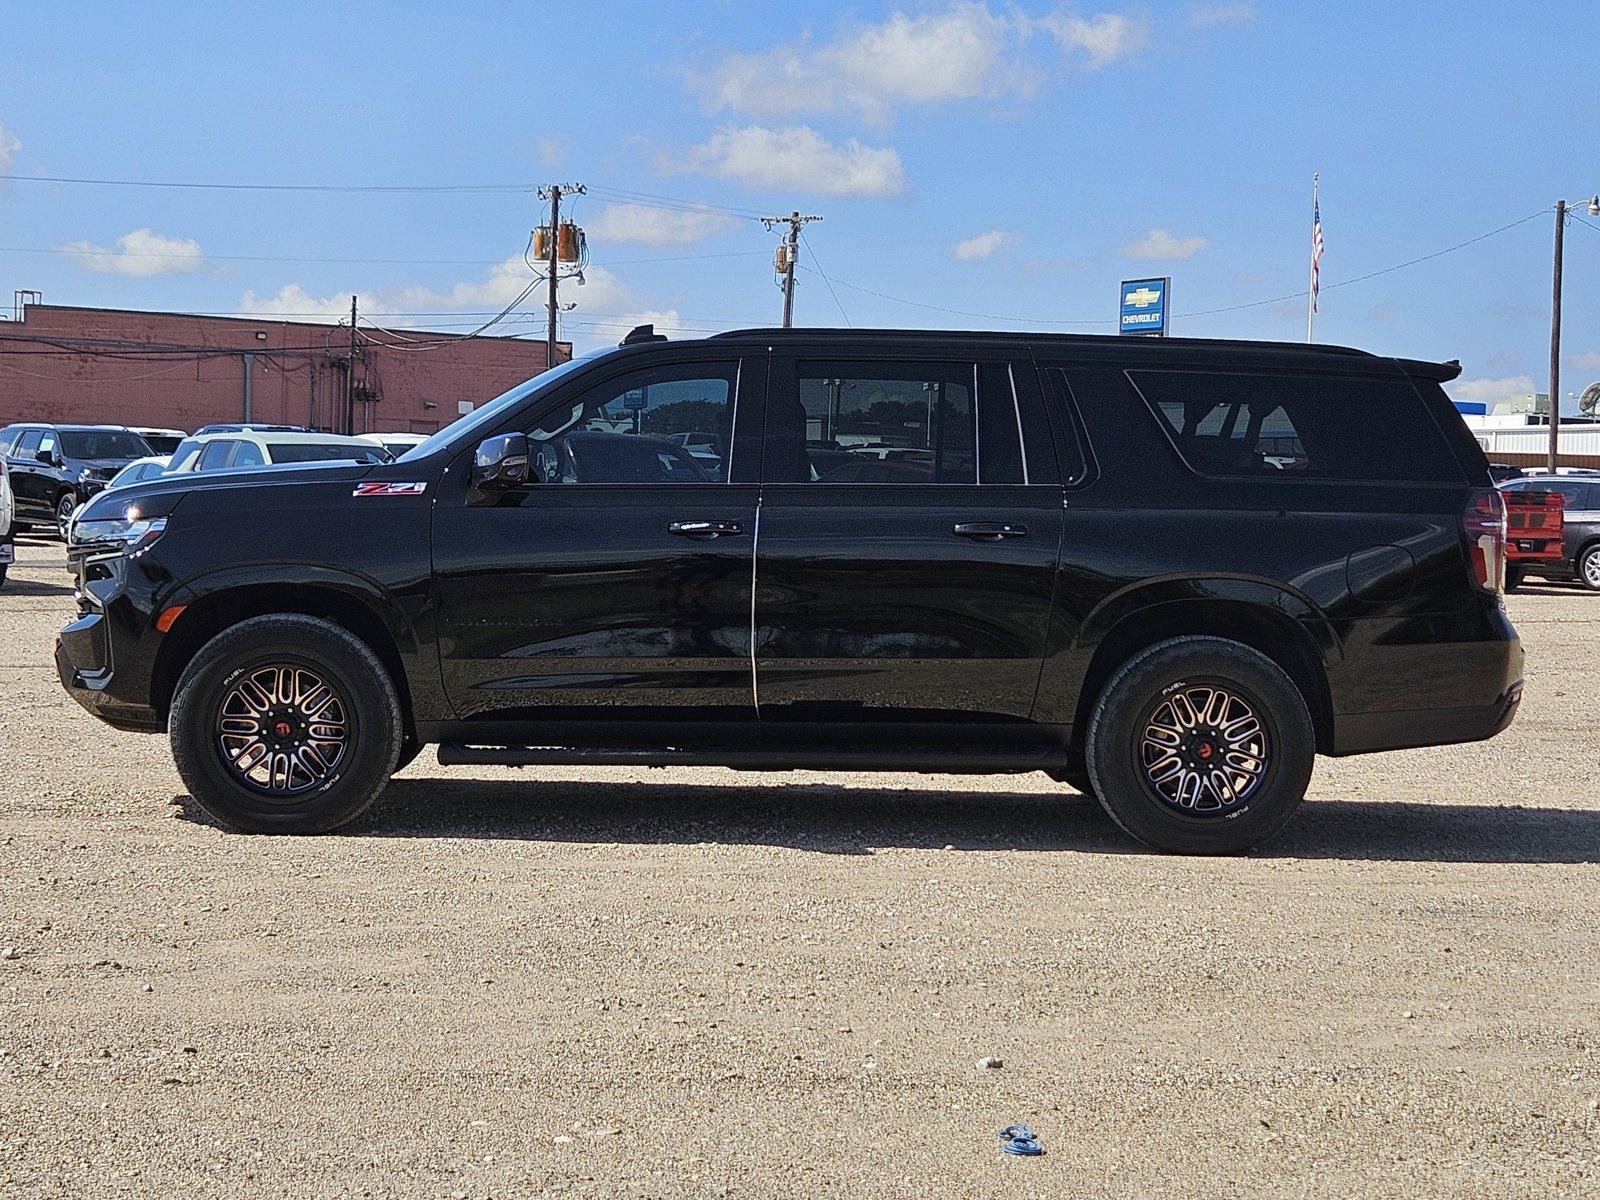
(54, 468)
(160, 441)
(1167, 571)
(395, 443)
(247, 448)
(1580, 527)
(252, 427)
(139, 470)
(8, 547)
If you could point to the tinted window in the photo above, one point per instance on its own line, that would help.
(1299, 426)
(186, 450)
(305, 452)
(103, 443)
(28, 444)
(661, 425)
(999, 427)
(215, 455)
(249, 455)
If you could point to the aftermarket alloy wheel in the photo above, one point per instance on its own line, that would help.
(1200, 745)
(1589, 568)
(285, 724)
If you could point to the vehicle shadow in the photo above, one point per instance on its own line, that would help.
(14, 586)
(833, 819)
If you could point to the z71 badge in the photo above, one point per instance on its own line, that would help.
(389, 489)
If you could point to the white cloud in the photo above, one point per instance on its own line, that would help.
(1491, 390)
(798, 158)
(1203, 16)
(604, 307)
(650, 226)
(553, 151)
(1587, 361)
(9, 145)
(1104, 37)
(1163, 244)
(140, 255)
(924, 59)
(980, 246)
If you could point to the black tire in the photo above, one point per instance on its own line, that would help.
(1516, 576)
(1588, 565)
(372, 726)
(65, 504)
(3, 569)
(1130, 702)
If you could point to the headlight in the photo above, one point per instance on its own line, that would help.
(129, 533)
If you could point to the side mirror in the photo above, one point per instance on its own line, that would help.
(47, 457)
(500, 464)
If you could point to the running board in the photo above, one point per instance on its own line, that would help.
(1007, 760)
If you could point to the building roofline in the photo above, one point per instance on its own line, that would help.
(257, 321)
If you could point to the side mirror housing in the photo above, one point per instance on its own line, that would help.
(47, 457)
(500, 464)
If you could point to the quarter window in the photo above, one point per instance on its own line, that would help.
(663, 425)
(1290, 426)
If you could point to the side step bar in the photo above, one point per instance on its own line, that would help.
(1007, 760)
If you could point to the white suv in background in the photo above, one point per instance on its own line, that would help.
(240, 449)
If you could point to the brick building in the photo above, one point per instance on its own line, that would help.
(121, 367)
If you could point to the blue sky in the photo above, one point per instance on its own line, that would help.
(1012, 161)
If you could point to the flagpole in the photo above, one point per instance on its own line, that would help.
(1311, 285)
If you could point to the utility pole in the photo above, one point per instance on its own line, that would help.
(1554, 450)
(788, 255)
(553, 193)
(350, 376)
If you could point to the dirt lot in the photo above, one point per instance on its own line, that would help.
(700, 983)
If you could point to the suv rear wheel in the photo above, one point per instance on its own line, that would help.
(1200, 745)
(285, 724)
(1589, 568)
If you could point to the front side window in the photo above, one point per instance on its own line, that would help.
(215, 456)
(660, 425)
(1294, 426)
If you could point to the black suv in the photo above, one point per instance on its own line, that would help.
(54, 468)
(1167, 572)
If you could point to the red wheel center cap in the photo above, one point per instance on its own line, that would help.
(283, 729)
(1205, 750)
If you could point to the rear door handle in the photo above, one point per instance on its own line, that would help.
(990, 531)
(705, 529)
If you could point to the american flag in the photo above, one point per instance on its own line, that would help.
(1316, 250)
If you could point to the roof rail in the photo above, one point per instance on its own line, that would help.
(1089, 339)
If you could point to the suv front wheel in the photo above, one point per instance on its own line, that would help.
(1589, 568)
(285, 724)
(1200, 745)
(64, 510)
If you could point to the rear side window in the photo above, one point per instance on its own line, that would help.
(1298, 426)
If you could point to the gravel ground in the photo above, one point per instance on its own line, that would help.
(621, 983)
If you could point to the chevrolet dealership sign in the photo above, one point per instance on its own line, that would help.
(1144, 306)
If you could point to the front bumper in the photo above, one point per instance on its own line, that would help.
(83, 665)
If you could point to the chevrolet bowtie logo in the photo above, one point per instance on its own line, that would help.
(1142, 297)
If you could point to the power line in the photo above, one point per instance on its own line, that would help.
(824, 275)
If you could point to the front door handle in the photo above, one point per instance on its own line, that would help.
(990, 531)
(705, 529)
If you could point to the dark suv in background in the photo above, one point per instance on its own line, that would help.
(54, 468)
(1168, 572)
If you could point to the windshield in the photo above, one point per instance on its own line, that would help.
(305, 452)
(489, 414)
(102, 443)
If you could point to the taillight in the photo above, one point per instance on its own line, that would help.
(1484, 525)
